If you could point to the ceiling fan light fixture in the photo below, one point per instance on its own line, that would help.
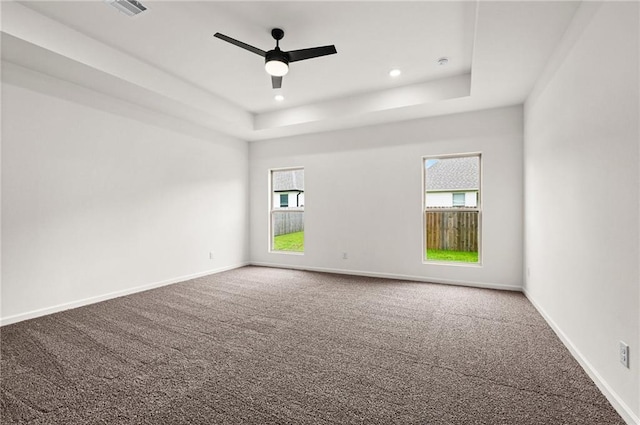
(276, 68)
(276, 63)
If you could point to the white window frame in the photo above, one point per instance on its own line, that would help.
(477, 208)
(276, 208)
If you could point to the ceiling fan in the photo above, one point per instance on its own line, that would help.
(276, 61)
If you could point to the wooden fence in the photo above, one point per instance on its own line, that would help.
(452, 230)
(287, 222)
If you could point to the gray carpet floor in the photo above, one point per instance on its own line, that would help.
(269, 346)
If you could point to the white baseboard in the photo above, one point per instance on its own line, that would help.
(92, 300)
(621, 407)
(394, 276)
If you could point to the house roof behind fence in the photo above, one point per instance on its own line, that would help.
(453, 174)
(288, 180)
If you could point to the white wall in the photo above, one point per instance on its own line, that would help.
(582, 195)
(363, 190)
(470, 199)
(96, 204)
(445, 199)
(294, 198)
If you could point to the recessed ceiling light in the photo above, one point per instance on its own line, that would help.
(279, 97)
(443, 61)
(395, 72)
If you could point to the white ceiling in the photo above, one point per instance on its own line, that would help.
(496, 52)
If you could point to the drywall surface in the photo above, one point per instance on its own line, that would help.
(95, 204)
(582, 195)
(363, 196)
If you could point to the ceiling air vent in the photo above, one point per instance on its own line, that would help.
(128, 7)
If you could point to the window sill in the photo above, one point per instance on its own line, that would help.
(451, 263)
(286, 252)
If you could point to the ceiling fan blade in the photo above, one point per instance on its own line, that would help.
(276, 82)
(314, 52)
(240, 44)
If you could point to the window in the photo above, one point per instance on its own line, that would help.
(286, 232)
(452, 208)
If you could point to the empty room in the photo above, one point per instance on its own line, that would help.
(320, 212)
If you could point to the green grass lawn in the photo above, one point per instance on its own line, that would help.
(289, 242)
(461, 256)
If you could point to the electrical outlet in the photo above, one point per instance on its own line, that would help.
(211, 255)
(528, 271)
(344, 256)
(624, 354)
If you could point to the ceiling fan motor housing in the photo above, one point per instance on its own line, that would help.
(276, 55)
